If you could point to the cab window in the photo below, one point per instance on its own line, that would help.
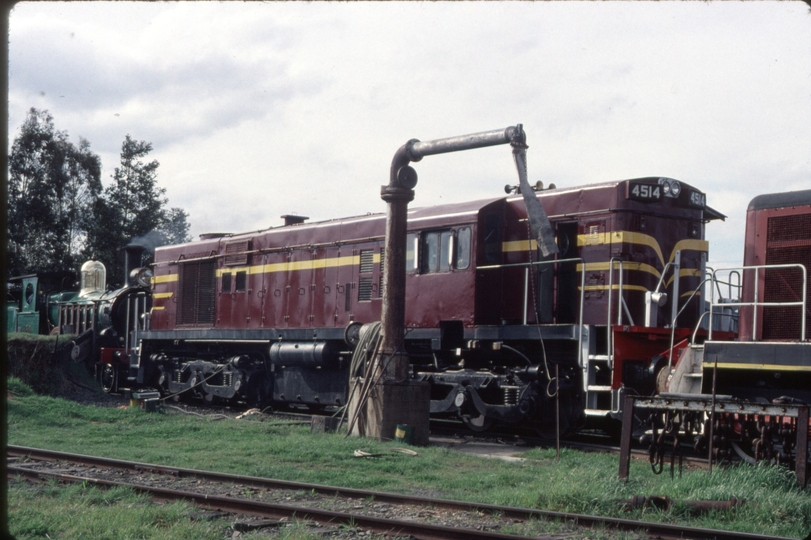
(412, 252)
(463, 248)
(439, 251)
(436, 252)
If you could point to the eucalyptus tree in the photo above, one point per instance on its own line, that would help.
(132, 206)
(51, 186)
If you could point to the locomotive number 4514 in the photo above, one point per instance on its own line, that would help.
(646, 192)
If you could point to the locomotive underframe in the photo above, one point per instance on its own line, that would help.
(497, 373)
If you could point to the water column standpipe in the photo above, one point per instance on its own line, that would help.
(400, 191)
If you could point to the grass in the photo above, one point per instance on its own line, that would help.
(263, 446)
(78, 511)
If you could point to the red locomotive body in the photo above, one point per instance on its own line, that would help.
(771, 358)
(744, 391)
(273, 315)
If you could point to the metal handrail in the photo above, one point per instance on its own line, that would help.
(620, 303)
(526, 292)
(729, 283)
(756, 303)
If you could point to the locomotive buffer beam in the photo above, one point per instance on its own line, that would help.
(712, 406)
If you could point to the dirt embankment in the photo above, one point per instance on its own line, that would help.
(44, 364)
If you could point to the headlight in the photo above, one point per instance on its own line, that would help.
(143, 277)
(671, 188)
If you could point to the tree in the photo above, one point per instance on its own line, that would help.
(51, 185)
(132, 206)
(175, 227)
(135, 192)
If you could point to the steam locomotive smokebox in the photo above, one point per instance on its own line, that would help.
(392, 404)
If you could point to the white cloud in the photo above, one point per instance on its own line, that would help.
(261, 109)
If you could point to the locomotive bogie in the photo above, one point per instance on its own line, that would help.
(210, 373)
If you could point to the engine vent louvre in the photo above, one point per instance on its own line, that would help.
(236, 253)
(197, 293)
(788, 240)
(367, 259)
(364, 289)
(382, 267)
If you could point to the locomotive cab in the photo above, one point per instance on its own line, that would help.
(33, 299)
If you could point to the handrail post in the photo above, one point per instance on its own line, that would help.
(526, 293)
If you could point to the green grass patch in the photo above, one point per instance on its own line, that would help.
(265, 446)
(80, 511)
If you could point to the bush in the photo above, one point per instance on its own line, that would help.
(38, 361)
(16, 387)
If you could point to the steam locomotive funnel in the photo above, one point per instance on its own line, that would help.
(133, 254)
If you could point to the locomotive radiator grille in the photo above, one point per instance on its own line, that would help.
(364, 289)
(788, 241)
(197, 293)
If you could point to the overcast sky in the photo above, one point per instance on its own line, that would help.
(255, 110)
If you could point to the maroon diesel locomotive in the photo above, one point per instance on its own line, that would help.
(272, 316)
(743, 391)
(770, 357)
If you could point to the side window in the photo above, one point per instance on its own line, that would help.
(412, 252)
(463, 248)
(241, 281)
(226, 282)
(437, 249)
(445, 250)
(492, 239)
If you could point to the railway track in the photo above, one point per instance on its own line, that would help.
(415, 517)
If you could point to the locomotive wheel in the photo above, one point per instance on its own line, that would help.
(108, 377)
(477, 423)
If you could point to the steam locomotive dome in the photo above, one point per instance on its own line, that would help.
(94, 279)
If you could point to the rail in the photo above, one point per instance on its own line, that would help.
(418, 528)
(730, 283)
(528, 265)
(621, 305)
(759, 304)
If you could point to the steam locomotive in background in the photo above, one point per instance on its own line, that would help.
(100, 322)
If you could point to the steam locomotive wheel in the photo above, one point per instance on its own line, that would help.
(477, 423)
(108, 377)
